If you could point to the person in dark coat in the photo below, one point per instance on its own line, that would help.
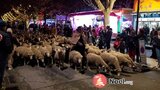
(140, 36)
(5, 49)
(14, 42)
(67, 31)
(131, 43)
(154, 55)
(102, 39)
(108, 37)
(156, 41)
(123, 37)
(80, 47)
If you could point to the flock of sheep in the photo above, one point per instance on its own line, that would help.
(58, 50)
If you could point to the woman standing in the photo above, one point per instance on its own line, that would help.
(157, 45)
(131, 43)
(154, 55)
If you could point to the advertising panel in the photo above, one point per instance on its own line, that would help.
(147, 5)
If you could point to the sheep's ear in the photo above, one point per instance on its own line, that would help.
(103, 50)
(86, 49)
(109, 50)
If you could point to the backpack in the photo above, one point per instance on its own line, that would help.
(6, 45)
(116, 44)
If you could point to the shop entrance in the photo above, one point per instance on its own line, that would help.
(150, 24)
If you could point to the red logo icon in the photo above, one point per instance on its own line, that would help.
(99, 81)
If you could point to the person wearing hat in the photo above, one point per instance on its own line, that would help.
(5, 49)
(14, 43)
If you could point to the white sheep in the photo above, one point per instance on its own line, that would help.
(37, 53)
(76, 58)
(25, 52)
(111, 60)
(59, 55)
(122, 58)
(94, 50)
(97, 60)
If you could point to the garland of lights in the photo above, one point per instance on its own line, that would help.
(10, 17)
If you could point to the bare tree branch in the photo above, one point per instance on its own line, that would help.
(107, 3)
(100, 5)
(111, 4)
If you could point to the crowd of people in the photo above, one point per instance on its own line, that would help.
(126, 42)
(129, 42)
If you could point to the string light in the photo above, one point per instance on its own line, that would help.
(11, 18)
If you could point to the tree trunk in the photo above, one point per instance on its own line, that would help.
(106, 18)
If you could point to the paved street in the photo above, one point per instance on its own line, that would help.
(34, 78)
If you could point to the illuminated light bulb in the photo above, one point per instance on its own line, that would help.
(11, 15)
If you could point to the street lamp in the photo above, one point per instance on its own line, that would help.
(137, 22)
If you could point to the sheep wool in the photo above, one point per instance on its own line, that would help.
(75, 56)
(96, 59)
(111, 60)
(121, 58)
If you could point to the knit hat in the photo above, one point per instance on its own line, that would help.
(9, 30)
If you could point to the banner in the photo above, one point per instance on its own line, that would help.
(142, 51)
(147, 5)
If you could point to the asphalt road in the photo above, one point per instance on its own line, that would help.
(36, 78)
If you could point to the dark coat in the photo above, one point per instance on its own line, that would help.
(102, 35)
(156, 42)
(6, 45)
(108, 36)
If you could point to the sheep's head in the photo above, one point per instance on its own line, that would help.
(17, 53)
(48, 54)
(30, 55)
(79, 59)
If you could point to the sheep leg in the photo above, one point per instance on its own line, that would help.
(75, 64)
(62, 62)
(89, 69)
(71, 63)
(118, 73)
(87, 66)
(105, 69)
(81, 66)
(117, 65)
(51, 60)
(43, 62)
(37, 62)
(58, 64)
(24, 62)
(98, 68)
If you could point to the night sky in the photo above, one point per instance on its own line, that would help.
(58, 5)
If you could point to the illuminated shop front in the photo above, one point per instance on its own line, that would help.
(119, 19)
(93, 18)
(149, 13)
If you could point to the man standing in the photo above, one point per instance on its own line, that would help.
(102, 39)
(5, 49)
(108, 37)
